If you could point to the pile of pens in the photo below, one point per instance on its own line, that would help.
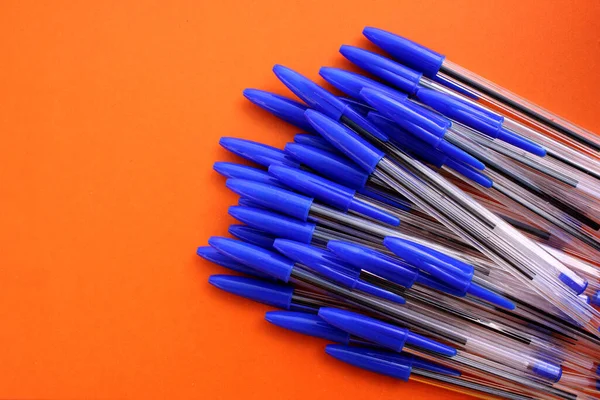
(429, 223)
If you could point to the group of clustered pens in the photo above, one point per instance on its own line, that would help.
(430, 224)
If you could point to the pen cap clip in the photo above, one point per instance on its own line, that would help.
(286, 109)
(255, 257)
(390, 71)
(450, 271)
(352, 145)
(406, 51)
(256, 152)
(274, 224)
(312, 94)
(273, 294)
(273, 197)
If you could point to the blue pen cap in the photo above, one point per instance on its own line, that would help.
(242, 201)
(424, 124)
(351, 83)
(382, 362)
(312, 94)
(211, 254)
(548, 370)
(595, 299)
(450, 271)
(256, 152)
(456, 108)
(357, 105)
(252, 236)
(470, 173)
(375, 262)
(356, 148)
(274, 224)
(329, 192)
(390, 71)
(273, 294)
(326, 264)
(287, 109)
(333, 166)
(307, 324)
(314, 141)
(275, 198)
(381, 333)
(406, 51)
(572, 284)
(233, 170)
(255, 257)
(359, 123)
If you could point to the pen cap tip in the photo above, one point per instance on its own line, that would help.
(274, 294)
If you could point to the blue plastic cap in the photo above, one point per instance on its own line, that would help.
(275, 198)
(326, 264)
(356, 148)
(598, 370)
(375, 262)
(406, 51)
(212, 255)
(242, 201)
(390, 71)
(490, 296)
(576, 287)
(307, 324)
(287, 109)
(466, 113)
(523, 143)
(265, 261)
(274, 224)
(312, 94)
(273, 294)
(548, 370)
(381, 333)
(595, 300)
(333, 166)
(450, 271)
(328, 192)
(382, 362)
(351, 83)
(386, 198)
(362, 124)
(457, 87)
(256, 152)
(386, 335)
(314, 141)
(239, 171)
(252, 236)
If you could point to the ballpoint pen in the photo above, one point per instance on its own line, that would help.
(434, 65)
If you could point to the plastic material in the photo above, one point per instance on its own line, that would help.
(328, 192)
(548, 370)
(357, 149)
(351, 83)
(595, 300)
(307, 324)
(477, 118)
(333, 166)
(211, 254)
(357, 105)
(257, 152)
(274, 224)
(420, 122)
(287, 109)
(406, 51)
(390, 71)
(326, 264)
(233, 170)
(314, 141)
(384, 334)
(312, 94)
(252, 236)
(273, 294)
(265, 261)
(275, 198)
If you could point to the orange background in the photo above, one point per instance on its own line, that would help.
(110, 115)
